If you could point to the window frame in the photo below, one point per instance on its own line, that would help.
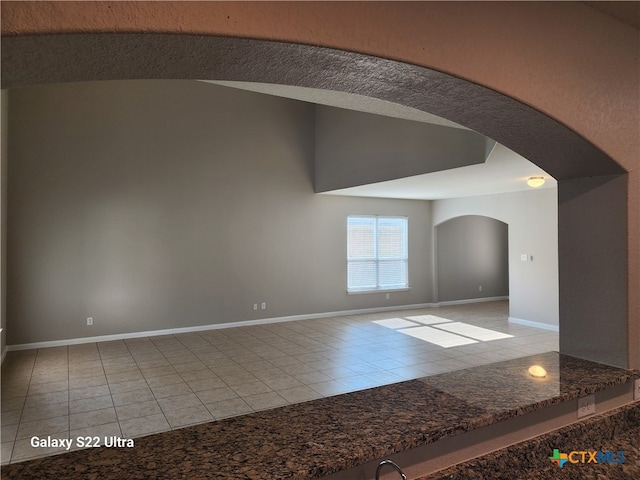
(376, 258)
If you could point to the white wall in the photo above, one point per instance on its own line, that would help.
(532, 217)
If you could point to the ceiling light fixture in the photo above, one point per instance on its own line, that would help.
(535, 182)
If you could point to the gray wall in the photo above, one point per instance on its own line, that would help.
(472, 258)
(164, 204)
(593, 208)
(355, 148)
(532, 217)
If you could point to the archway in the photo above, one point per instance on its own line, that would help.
(592, 186)
(472, 258)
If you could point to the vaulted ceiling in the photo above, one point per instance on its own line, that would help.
(503, 171)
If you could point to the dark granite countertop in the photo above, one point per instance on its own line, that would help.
(615, 431)
(317, 438)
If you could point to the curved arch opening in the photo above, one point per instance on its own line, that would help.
(589, 179)
(472, 258)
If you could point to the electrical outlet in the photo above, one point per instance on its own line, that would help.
(636, 389)
(89, 321)
(255, 306)
(263, 306)
(586, 406)
(480, 288)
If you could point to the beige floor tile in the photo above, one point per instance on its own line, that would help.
(129, 386)
(182, 358)
(178, 402)
(119, 364)
(49, 387)
(94, 435)
(164, 380)
(83, 382)
(11, 417)
(228, 408)
(258, 366)
(136, 410)
(89, 392)
(149, 372)
(238, 378)
(359, 382)
(385, 378)
(188, 416)
(125, 377)
(216, 395)
(137, 427)
(90, 404)
(246, 358)
(206, 384)
(299, 394)
(44, 427)
(297, 368)
(197, 374)
(282, 382)
(86, 372)
(10, 391)
(92, 418)
(8, 433)
(151, 360)
(134, 396)
(263, 401)
(173, 390)
(44, 411)
(309, 378)
(251, 388)
(12, 404)
(22, 449)
(231, 371)
(5, 454)
(194, 366)
(38, 380)
(111, 370)
(270, 373)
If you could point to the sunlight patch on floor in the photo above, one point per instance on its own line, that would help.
(428, 319)
(437, 337)
(477, 333)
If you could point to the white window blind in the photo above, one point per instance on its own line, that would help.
(377, 253)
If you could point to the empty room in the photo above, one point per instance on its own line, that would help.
(197, 254)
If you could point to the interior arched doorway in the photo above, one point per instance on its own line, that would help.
(472, 258)
(592, 186)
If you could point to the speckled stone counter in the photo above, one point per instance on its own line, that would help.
(615, 431)
(321, 437)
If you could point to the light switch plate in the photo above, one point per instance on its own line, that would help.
(636, 389)
(586, 406)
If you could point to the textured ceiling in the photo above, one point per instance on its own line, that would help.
(504, 171)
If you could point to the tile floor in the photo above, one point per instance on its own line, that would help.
(131, 388)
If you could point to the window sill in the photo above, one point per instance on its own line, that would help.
(380, 290)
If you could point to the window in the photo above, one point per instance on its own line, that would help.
(377, 253)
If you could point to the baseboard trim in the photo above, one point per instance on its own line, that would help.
(530, 323)
(215, 326)
(470, 300)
